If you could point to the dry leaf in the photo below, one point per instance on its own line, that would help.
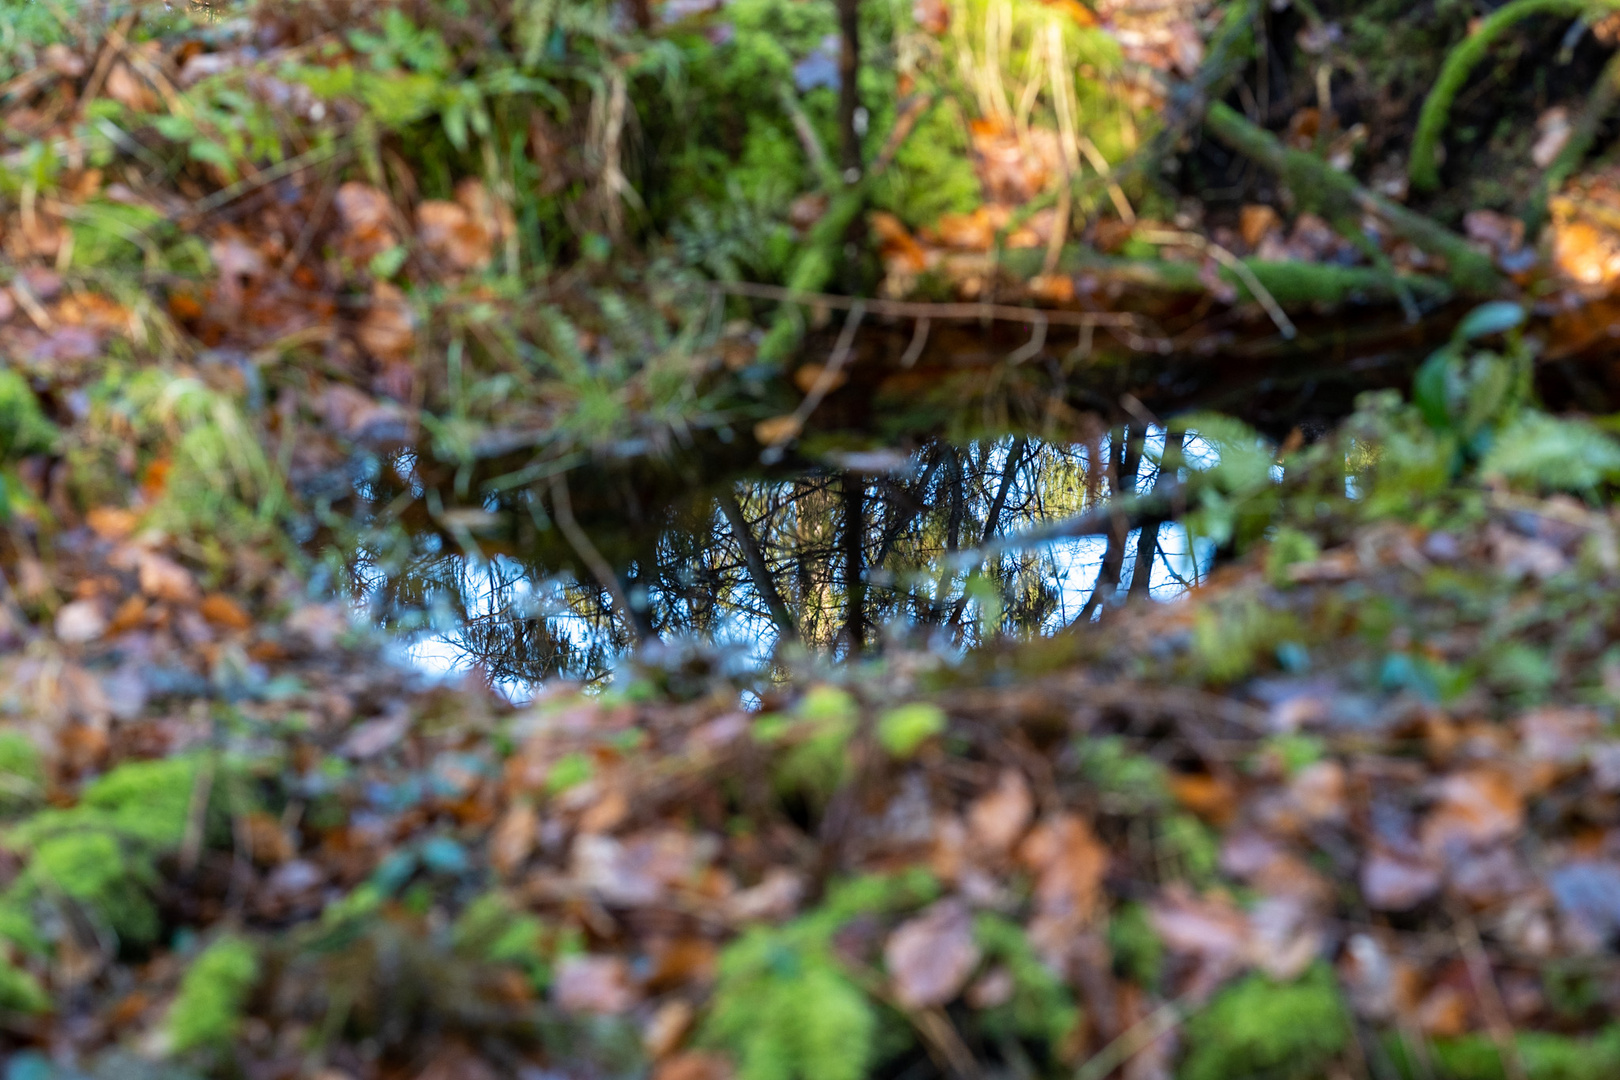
(514, 837)
(930, 957)
(388, 332)
(110, 523)
(1393, 882)
(778, 429)
(79, 622)
(129, 90)
(1478, 806)
(221, 610)
(998, 818)
(667, 1028)
(694, 1065)
(1210, 797)
(593, 984)
(164, 579)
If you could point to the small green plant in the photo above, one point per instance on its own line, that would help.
(208, 1010)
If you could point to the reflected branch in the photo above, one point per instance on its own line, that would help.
(764, 582)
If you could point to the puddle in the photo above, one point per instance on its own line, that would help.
(949, 556)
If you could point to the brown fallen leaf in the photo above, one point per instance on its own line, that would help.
(162, 578)
(1210, 797)
(514, 837)
(594, 984)
(1211, 932)
(694, 1065)
(667, 1028)
(221, 610)
(388, 331)
(1477, 806)
(930, 957)
(999, 817)
(111, 523)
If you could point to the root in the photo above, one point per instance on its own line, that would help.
(1423, 169)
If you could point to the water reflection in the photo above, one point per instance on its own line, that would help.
(867, 549)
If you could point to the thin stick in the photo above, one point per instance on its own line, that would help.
(1132, 1041)
(1238, 267)
(563, 511)
(919, 341)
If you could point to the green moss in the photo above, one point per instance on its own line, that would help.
(1041, 1007)
(784, 1006)
(1261, 1028)
(208, 1010)
(20, 991)
(1545, 1056)
(22, 774)
(102, 854)
(1230, 638)
(1137, 951)
(902, 730)
(101, 874)
(1288, 547)
(23, 427)
(495, 930)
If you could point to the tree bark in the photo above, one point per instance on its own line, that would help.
(849, 93)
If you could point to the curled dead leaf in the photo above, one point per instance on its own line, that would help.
(930, 957)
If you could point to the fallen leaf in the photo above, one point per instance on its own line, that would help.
(371, 738)
(221, 610)
(999, 817)
(694, 1065)
(162, 578)
(514, 837)
(1210, 797)
(388, 331)
(1210, 931)
(1477, 806)
(593, 984)
(778, 429)
(930, 957)
(129, 90)
(80, 622)
(667, 1028)
(111, 523)
(1391, 882)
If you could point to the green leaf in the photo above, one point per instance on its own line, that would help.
(1497, 317)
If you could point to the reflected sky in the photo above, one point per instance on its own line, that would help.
(757, 566)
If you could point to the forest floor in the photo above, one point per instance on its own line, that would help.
(294, 293)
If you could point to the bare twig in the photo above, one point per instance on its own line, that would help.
(563, 511)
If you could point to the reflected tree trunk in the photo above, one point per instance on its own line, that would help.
(760, 573)
(1147, 544)
(1125, 458)
(854, 489)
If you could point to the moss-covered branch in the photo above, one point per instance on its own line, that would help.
(1423, 168)
(1469, 270)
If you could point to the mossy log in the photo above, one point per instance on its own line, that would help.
(1291, 283)
(1315, 180)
